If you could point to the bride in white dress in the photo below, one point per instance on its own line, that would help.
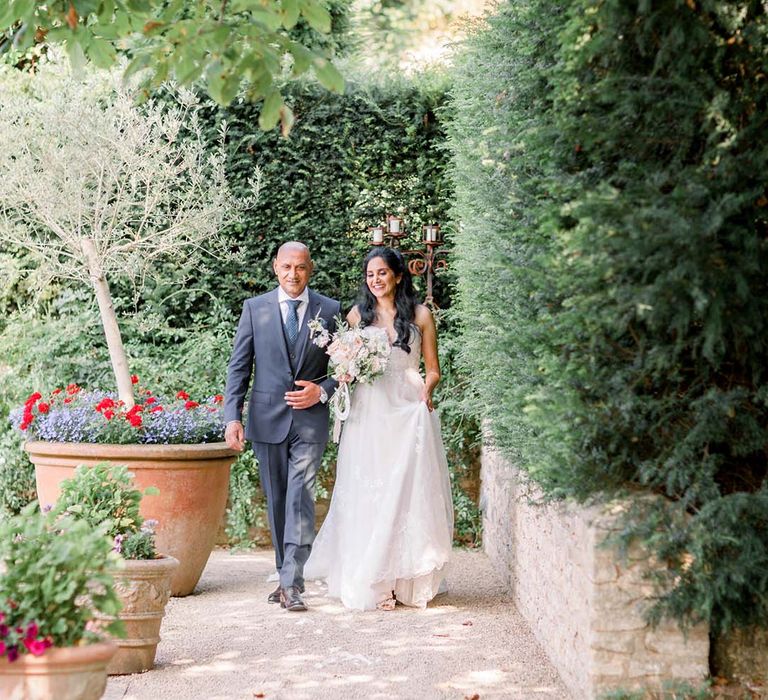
(387, 536)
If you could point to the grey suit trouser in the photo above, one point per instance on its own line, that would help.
(287, 472)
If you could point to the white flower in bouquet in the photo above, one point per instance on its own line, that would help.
(356, 355)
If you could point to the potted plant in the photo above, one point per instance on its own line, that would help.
(171, 445)
(104, 495)
(56, 577)
(94, 185)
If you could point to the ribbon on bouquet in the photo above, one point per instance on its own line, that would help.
(341, 403)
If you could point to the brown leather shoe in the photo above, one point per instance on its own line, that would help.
(274, 597)
(290, 599)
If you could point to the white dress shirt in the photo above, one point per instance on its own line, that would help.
(283, 298)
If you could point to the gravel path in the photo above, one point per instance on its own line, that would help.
(226, 643)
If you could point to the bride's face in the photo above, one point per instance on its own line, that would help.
(380, 278)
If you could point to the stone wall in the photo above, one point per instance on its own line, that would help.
(583, 604)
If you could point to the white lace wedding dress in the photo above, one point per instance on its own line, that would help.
(390, 522)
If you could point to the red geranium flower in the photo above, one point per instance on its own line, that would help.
(43, 407)
(72, 388)
(182, 395)
(150, 400)
(68, 399)
(155, 409)
(135, 420)
(108, 414)
(189, 405)
(218, 398)
(134, 379)
(32, 398)
(55, 392)
(104, 404)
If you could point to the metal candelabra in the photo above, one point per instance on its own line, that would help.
(426, 262)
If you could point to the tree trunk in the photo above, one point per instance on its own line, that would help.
(109, 321)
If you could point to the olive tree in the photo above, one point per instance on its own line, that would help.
(94, 185)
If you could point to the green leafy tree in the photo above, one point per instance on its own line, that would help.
(231, 45)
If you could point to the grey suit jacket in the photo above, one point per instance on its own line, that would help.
(260, 351)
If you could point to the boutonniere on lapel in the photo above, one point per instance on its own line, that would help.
(318, 332)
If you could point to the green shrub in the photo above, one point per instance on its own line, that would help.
(612, 179)
(58, 574)
(104, 496)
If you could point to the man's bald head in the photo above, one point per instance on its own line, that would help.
(293, 267)
(293, 246)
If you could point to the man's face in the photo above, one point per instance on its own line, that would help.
(293, 268)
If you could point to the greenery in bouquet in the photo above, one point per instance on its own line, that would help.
(56, 578)
(104, 496)
(77, 415)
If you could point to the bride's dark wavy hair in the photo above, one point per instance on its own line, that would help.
(405, 295)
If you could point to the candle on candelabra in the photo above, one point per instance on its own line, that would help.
(394, 224)
(377, 235)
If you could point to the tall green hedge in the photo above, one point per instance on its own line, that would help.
(611, 171)
(349, 159)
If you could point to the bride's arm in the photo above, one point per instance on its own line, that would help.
(426, 324)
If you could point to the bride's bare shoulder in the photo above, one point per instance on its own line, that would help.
(353, 317)
(423, 316)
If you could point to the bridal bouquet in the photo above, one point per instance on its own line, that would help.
(356, 355)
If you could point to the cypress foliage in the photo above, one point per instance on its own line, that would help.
(612, 181)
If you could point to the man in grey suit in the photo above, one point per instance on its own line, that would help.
(287, 419)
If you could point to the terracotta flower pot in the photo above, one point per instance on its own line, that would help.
(143, 586)
(193, 481)
(61, 673)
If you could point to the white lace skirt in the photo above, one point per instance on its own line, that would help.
(390, 522)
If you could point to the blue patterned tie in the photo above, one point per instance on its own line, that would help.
(292, 321)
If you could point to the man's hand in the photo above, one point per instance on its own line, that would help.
(306, 398)
(234, 435)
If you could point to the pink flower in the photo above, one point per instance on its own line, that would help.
(2, 648)
(13, 653)
(36, 647)
(32, 630)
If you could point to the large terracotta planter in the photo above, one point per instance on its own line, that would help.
(143, 586)
(193, 481)
(66, 673)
